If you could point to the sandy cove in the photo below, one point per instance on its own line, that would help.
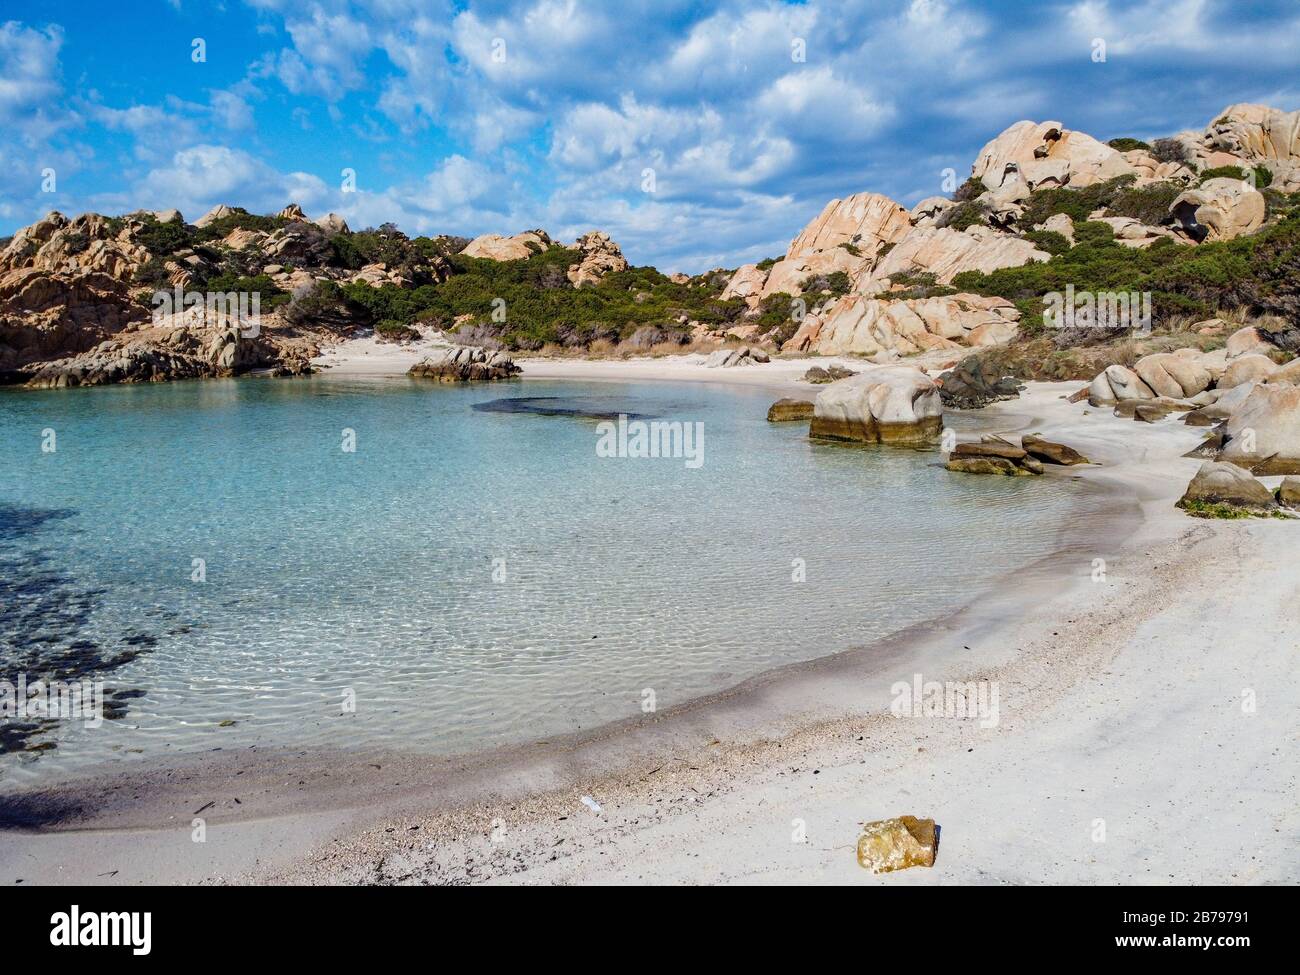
(1120, 702)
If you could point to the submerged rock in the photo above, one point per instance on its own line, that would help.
(894, 404)
(465, 364)
(790, 409)
(899, 843)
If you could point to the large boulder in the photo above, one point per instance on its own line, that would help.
(892, 404)
(1175, 376)
(1044, 155)
(1248, 341)
(1251, 368)
(970, 385)
(1117, 383)
(1263, 433)
(515, 248)
(1217, 483)
(746, 283)
(1218, 209)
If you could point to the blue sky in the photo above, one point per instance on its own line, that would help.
(467, 117)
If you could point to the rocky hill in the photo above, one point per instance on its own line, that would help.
(1204, 222)
(1046, 207)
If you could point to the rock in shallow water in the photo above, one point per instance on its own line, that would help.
(790, 409)
(896, 844)
(892, 405)
(993, 457)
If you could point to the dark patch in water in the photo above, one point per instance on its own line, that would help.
(583, 407)
(44, 613)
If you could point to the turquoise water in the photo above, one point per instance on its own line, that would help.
(468, 577)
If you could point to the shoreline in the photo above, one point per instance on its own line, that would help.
(299, 818)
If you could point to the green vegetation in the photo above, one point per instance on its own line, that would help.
(1126, 145)
(968, 213)
(1048, 240)
(851, 248)
(767, 263)
(1221, 509)
(1169, 150)
(1259, 273)
(918, 284)
(837, 283)
(539, 304)
(968, 190)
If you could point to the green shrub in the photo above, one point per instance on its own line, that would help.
(1048, 240)
(1169, 150)
(1231, 172)
(1148, 204)
(1126, 144)
(963, 215)
(970, 189)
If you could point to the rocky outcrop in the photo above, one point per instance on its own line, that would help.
(332, 224)
(465, 364)
(790, 409)
(216, 213)
(1226, 484)
(1288, 492)
(156, 356)
(747, 283)
(1218, 209)
(600, 256)
(969, 385)
(891, 405)
(516, 248)
(867, 326)
(1263, 434)
(946, 253)
(727, 358)
(1261, 135)
(46, 315)
(846, 236)
(1046, 154)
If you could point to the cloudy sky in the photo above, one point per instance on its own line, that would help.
(472, 117)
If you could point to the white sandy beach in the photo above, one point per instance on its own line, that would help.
(1123, 753)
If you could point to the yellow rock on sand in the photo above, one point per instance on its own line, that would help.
(896, 844)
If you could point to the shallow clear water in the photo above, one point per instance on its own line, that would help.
(378, 573)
